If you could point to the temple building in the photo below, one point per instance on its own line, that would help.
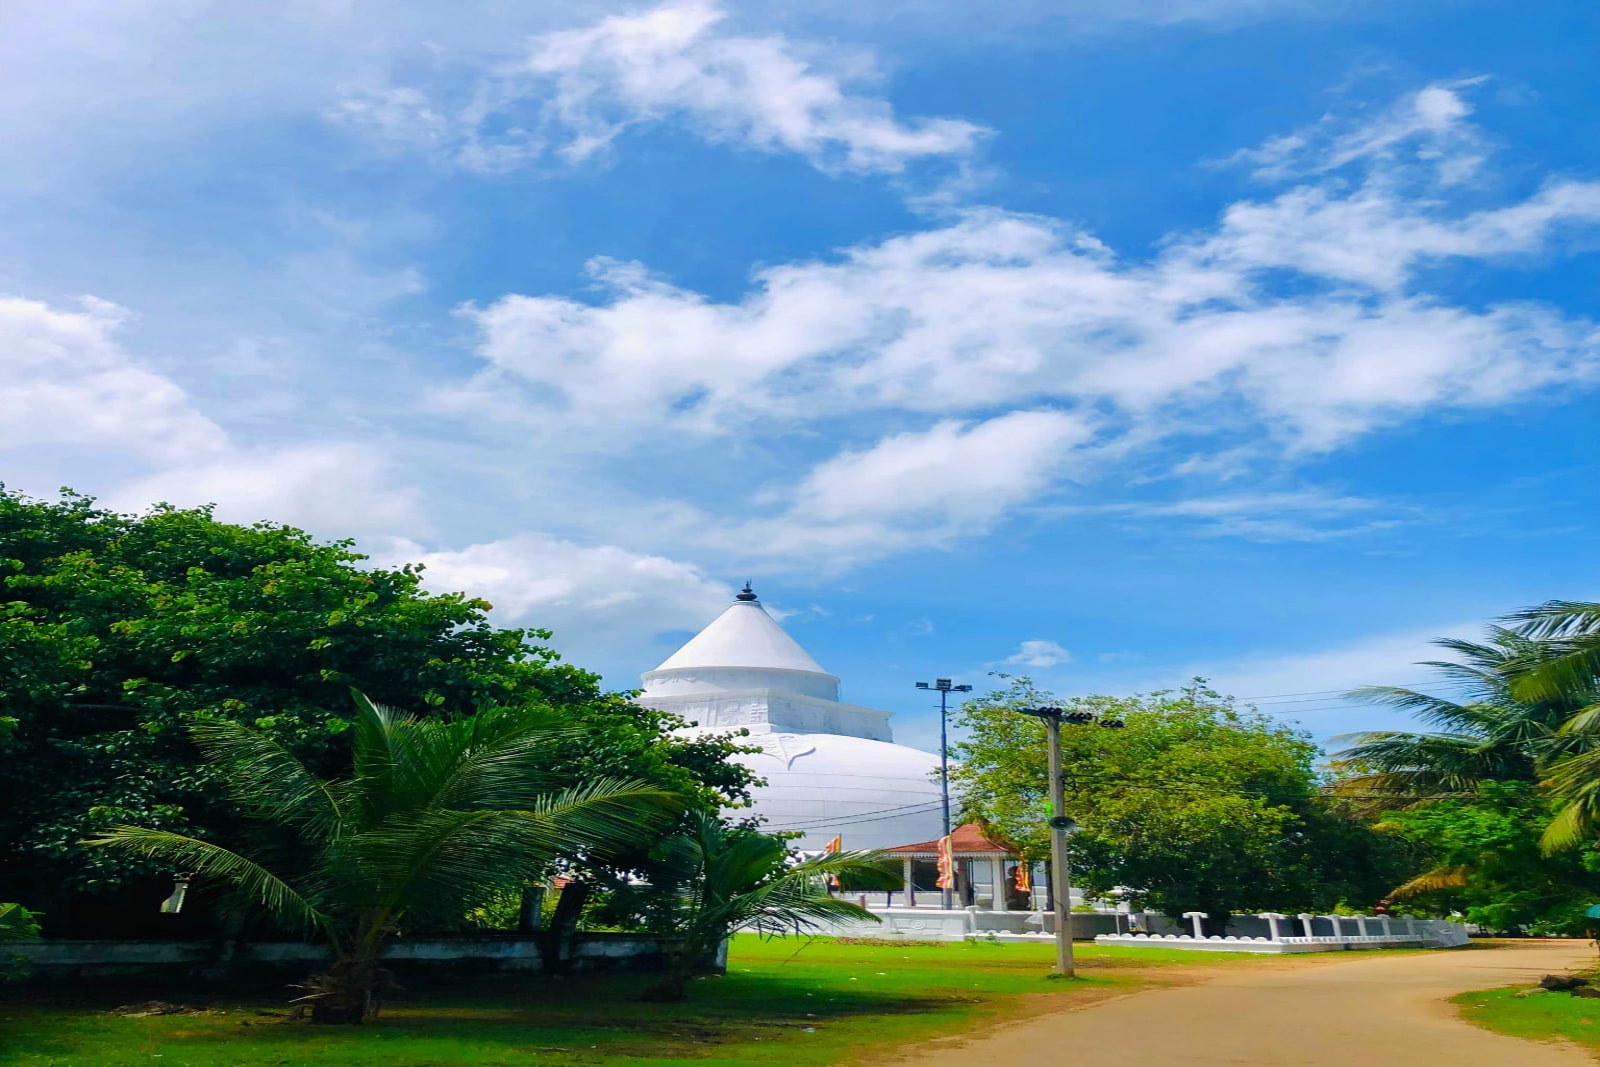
(832, 769)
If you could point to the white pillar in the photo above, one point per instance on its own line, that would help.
(1361, 926)
(1337, 931)
(1411, 927)
(1272, 918)
(911, 887)
(1194, 918)
(998, 867)
(1384, 919)
(1305, 918)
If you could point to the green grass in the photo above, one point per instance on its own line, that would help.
(1542, 1017)
(795, 1002)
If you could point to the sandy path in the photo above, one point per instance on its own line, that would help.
(1362, 1010)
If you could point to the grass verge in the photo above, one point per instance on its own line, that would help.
(799, 1002)
(1542, 1017)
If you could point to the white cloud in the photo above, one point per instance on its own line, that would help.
(963, 472)
(69, 385)
(1304, 515)
(594, 597)
(908, 490)
(1039, 653)
(575, 91)
(1428, 128)
(759, 92)
(67, 382)
(996, 326)
(1001, 309)
(334, 489)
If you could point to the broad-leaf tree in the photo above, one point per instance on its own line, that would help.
(1483, 859)
(1195, 805)
(435, 818)
(118, 631)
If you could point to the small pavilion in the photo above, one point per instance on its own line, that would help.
(973, 846)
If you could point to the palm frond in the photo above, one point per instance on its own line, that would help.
(1558, 618)
(424, 858)
(203, 857)
(1585, 721)
(1434, 710)
(264, 775)
(1430, 881)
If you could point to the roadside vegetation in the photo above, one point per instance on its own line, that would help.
(1498, 798)
(1543, 1017)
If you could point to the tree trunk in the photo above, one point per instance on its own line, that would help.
(348, 992)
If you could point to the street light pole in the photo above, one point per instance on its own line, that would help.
(945, 688)
(1060, 825)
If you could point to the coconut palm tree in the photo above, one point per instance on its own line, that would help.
(1493, 733)
(712, 879)
(436, 817)
(1566, 668)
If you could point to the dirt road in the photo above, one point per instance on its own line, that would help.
(1362, 1010)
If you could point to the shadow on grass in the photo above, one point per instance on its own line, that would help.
(582, 1019)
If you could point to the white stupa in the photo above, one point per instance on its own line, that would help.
(831, 768)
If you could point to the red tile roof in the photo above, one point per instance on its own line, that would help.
(972, 839)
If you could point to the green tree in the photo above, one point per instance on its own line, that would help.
(712, 879)
(1195, 805)
(118, 631)
(436, 817)
(1484, 860)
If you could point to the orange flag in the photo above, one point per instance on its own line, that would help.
(836, 845)
(1024, 879)
(947, 865)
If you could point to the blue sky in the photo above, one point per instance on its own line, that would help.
(1111, 342)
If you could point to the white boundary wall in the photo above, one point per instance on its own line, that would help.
(932, 924)
(1399, 933)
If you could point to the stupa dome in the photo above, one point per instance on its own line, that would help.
(832, 769)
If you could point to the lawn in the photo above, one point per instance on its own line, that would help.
(1541, 1017)
(794, 1001)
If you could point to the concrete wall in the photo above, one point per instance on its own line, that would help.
(80, 960)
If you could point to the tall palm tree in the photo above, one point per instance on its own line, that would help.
(1566, 668)
(712, 879)
(436, 817)
(1493, 733)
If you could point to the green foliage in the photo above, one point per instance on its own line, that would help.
(1195, 805)
(712, 879)
(16, 924)
(117, 633)
(1509, 774)
(437, 818)
(1505, 881)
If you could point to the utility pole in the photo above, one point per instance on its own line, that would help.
(945, 688)
(1062, 824)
